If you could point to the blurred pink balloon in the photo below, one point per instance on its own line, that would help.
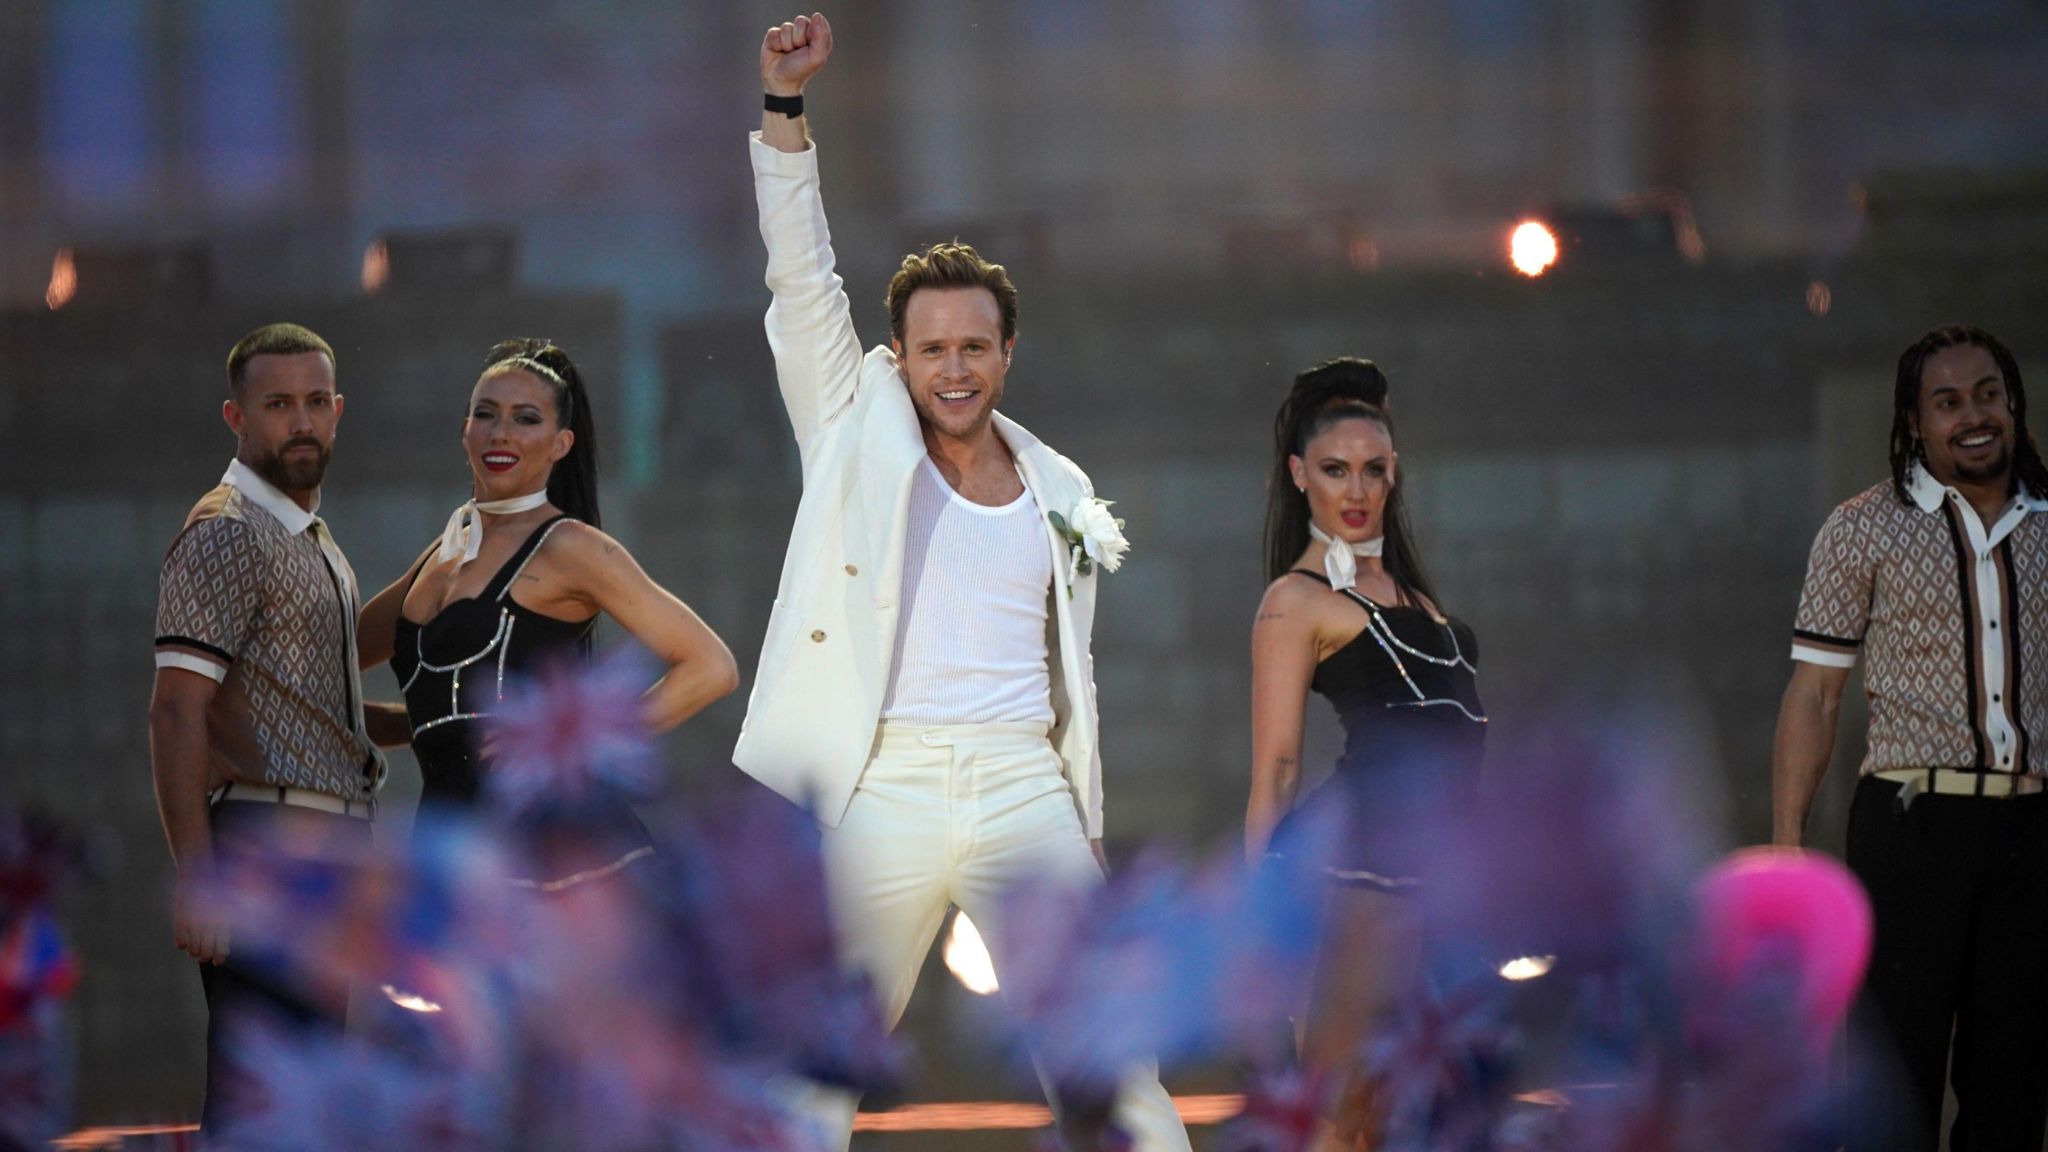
(1777, 914)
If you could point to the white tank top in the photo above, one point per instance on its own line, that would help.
(970, 639)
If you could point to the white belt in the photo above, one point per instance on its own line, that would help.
(1959, 782)
(890, 734)
(295, 797)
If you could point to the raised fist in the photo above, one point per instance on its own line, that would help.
(792, 53)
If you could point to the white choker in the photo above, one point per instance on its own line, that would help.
(464, 536)
(1340, 560)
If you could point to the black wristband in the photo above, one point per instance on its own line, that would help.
(790, 106)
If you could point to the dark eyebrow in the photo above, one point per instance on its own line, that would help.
(533, 408)
(1988, 378)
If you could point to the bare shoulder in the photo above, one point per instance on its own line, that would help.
(577, 545)
(1293, 598)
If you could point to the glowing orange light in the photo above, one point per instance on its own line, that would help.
(967, 957)
(956, 1116)
(994, 1115)
(63, 280)
(1532, 248)
(1819, 298)
(1362, 252)
(376, 267)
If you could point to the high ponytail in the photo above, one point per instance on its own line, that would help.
(1340, 389)
(572, 486)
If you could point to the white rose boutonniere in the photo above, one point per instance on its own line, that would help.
(1093, 537)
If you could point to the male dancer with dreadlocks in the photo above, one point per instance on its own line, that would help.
(1939, 577)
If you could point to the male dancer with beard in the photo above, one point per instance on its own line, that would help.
(1938, 577)
(258, 734)
(926, 684)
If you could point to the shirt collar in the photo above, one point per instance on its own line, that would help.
(270, 498)
(1927, 492)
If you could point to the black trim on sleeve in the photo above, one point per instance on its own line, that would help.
(203, 646)
(1823, 638)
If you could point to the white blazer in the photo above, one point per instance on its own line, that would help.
(831, 640)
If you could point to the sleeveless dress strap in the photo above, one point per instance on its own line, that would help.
(1319, 578)
(501, 584)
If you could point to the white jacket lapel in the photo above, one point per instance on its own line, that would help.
(1050, 485)
(892, 450)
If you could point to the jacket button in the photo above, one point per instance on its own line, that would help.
(818, 636)
(852, 571)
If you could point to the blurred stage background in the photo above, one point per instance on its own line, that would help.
(1617, 465)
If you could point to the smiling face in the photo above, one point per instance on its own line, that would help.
(513, 434)
(1964, 421)
(954, 358)
(284, 412)
(1347, 472)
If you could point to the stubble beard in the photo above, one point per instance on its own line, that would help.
(2000, 466)
(928, 415)
(294, 475)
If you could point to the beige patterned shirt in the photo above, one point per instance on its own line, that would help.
(256, 595)
(1951, 618)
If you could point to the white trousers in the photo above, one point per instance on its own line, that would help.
(953, 816)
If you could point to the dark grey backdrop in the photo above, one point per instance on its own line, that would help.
(1617, 467)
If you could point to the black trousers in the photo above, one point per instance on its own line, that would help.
(259, 987)
(1959, 885)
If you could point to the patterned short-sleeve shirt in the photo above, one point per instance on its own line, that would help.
(1950, 617)
(256, 596)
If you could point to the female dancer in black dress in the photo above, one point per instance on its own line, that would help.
(516, 583)
(1350, 615)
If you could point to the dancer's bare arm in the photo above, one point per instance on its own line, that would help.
(1284, 646)
(1806, 742)
(377, 623)
(178, 763)
(387, 723)
(598, 571)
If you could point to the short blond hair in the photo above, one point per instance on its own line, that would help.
(951, 264)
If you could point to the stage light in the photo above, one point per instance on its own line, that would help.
(1526, 967)
(407, 1000)
(84, 276)
(1819, 298)
(1532, 248)
(967, 957)
(1362, 252)
(376, 267)
(454, 261)
(63, 280)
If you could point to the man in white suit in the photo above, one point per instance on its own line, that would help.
(926, 685)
